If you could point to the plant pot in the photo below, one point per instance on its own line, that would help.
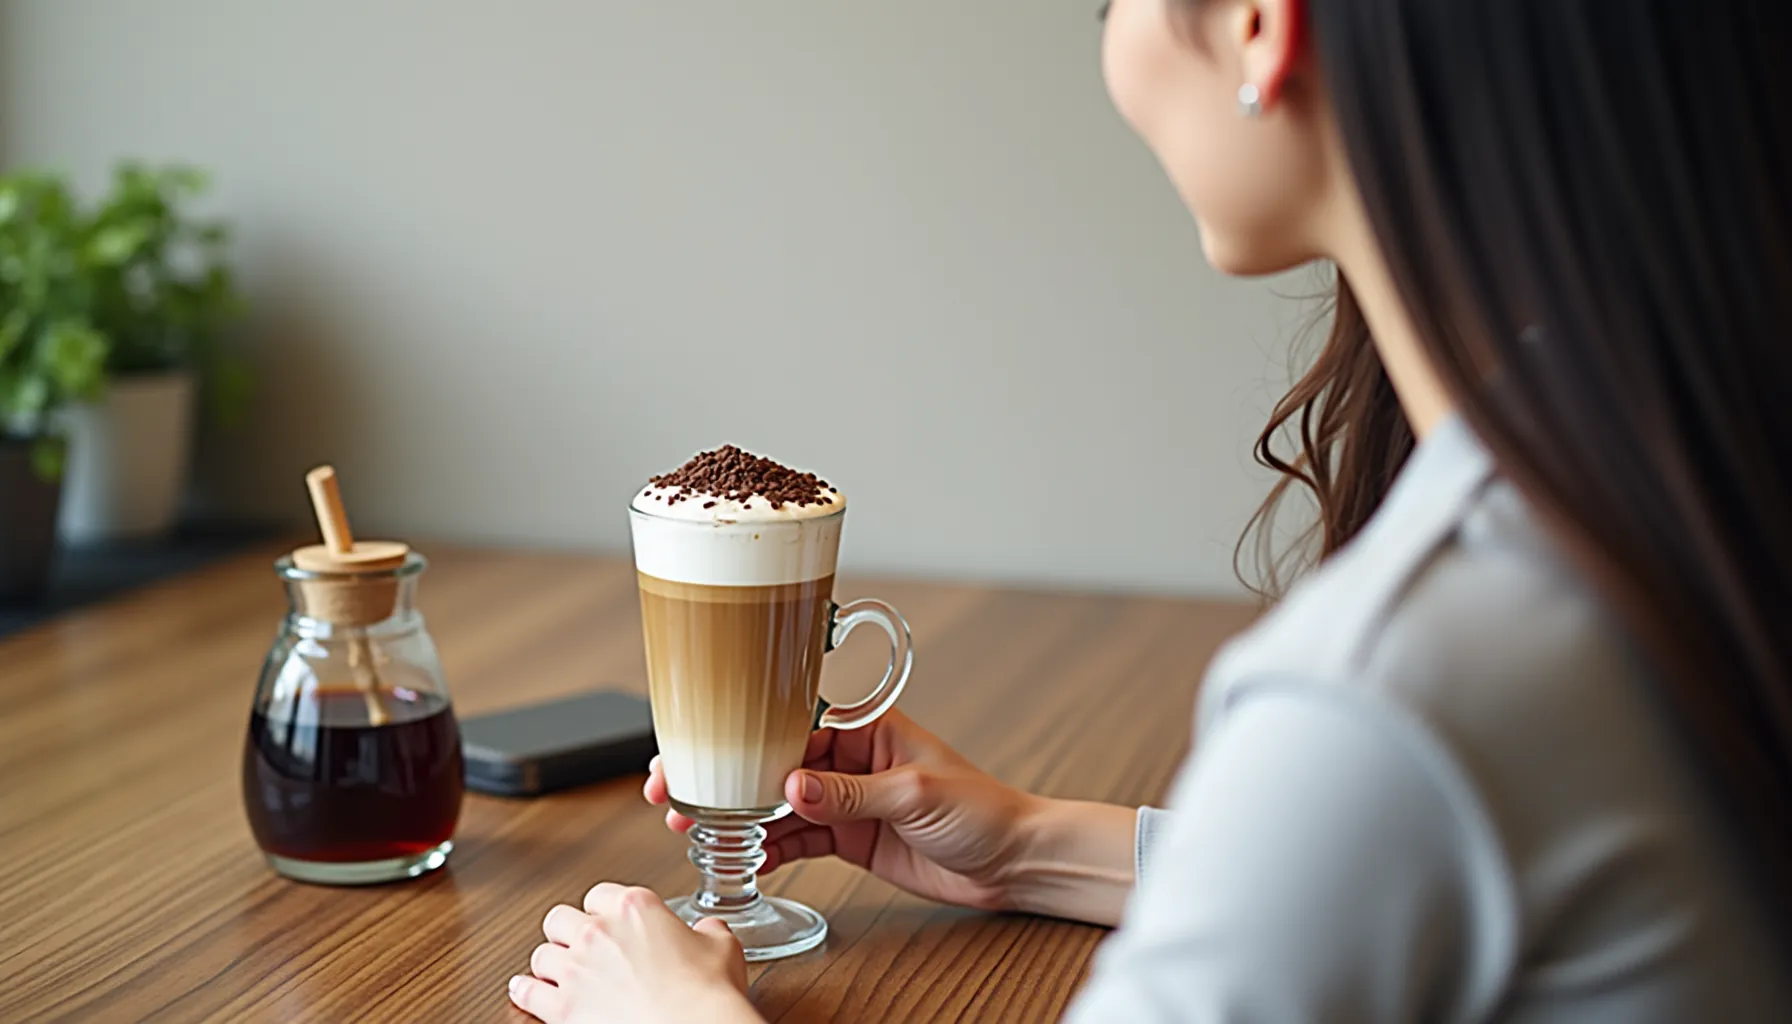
(128, 458)
(27, 523)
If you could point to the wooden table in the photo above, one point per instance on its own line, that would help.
(130, 888)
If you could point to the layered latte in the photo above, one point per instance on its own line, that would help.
(735, 558)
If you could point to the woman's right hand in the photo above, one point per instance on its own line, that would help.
(895, 800)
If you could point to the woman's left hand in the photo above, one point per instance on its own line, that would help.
(626, 957)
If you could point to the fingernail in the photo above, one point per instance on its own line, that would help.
(516, 984)
(811, 789)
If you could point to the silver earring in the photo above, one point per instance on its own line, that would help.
(1250, 101)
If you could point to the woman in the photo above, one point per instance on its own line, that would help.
(1521, 748)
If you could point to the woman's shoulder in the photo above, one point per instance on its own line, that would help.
(1475, 617)
(1474, 624)
(1453, 598)
(1497, 627)
(1480, 652)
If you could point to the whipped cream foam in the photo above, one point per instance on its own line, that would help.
(730, 519)
(706, 507)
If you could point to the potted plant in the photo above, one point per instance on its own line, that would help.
(50, 355)
(162, 294)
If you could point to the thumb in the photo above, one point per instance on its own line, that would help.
(827, 798)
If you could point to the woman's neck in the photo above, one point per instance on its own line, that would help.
(1422, 394)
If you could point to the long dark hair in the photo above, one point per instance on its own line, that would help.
(1351, 437)
(1587, 208)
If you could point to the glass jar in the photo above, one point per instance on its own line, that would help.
(352, 767)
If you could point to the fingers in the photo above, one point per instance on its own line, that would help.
(551, 962)
(655, 787)
(610, 909)
(728, 947)
(891, 740)
(656, 793)
(821, 743)
(622, 932)
(813, 841)
(538, 999)
(570, 926)
(902, 740)
(608, 901)
(828, 798)
(783, 827)
(602, 895)
(714, 928)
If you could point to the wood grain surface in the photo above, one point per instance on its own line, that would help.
(130, 888)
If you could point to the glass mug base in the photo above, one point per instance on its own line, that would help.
(371, 872)
(769, 929)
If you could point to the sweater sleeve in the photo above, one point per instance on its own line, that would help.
(1153, 822)
(1314, 867)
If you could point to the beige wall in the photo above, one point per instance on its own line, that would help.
(512, 257)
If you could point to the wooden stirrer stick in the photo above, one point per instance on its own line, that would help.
(332, 521)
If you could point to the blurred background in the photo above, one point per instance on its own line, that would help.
(500, 262)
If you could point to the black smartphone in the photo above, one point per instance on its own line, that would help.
(570, 742)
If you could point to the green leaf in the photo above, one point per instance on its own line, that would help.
(11, 421)
(131, 281)
(118, 243)
(30, 396)
(50, 202)
(131, 182)
(191, 180)
(49, 456)
(12, 330)
(74, 357)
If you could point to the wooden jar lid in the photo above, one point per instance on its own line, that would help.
(363, 556)
(347, 601)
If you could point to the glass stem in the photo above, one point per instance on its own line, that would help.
(729, 858)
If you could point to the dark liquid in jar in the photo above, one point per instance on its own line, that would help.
(322, 783)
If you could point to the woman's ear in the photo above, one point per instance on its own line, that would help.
(1269, 35)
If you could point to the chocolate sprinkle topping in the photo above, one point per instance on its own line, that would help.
(741, 475)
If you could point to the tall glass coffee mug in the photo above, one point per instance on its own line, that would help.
(737, 617)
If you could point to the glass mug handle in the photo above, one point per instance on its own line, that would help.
(846, 618)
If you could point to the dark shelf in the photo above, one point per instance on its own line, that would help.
(87, 574)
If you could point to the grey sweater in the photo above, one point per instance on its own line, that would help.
(1430, 786)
